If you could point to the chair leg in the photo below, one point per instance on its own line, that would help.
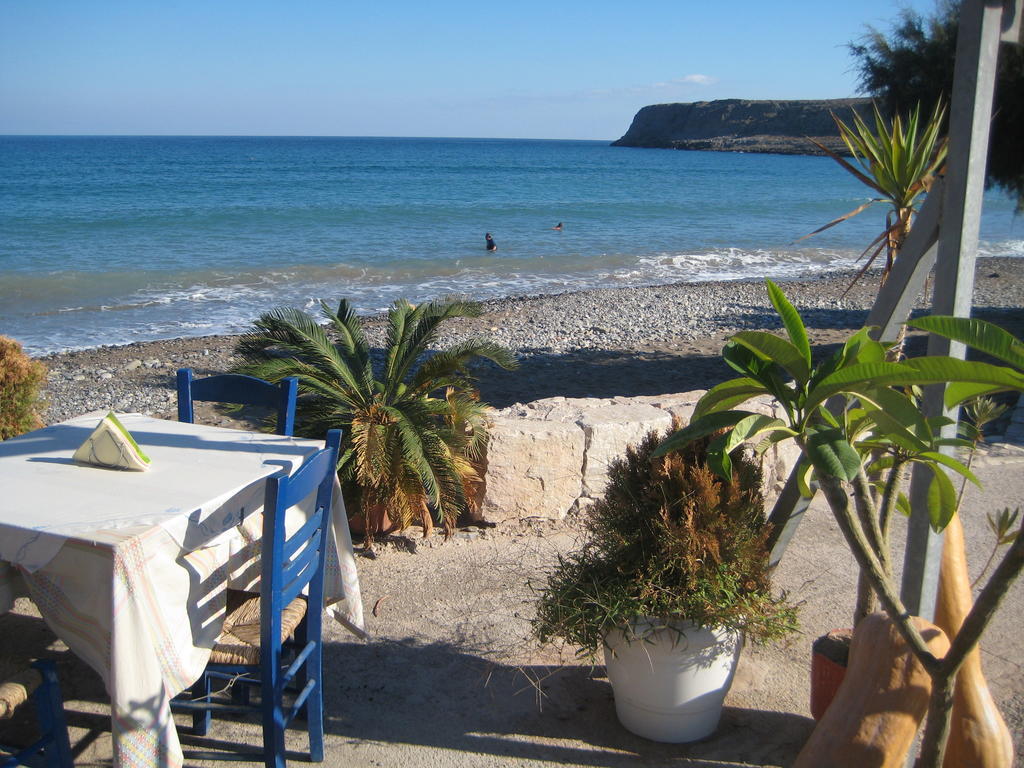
(201, 718)
(314, 706)
(50, 705)
(240, 693)
(273, 723)
(301, 634)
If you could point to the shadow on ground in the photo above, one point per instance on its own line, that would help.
(683, 367)
(437, 695)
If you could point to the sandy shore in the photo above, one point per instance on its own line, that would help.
(613, 342)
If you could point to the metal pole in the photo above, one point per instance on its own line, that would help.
(974, 78)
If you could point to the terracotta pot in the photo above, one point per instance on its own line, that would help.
(357, 524)
(829, 656)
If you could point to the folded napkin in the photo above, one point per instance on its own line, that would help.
(111, 445)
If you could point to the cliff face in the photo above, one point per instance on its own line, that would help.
(737, 125)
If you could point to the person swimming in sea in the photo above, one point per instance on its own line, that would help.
(557, 227)
(489, 241)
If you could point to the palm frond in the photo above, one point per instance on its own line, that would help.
(438, 369)
(349, 330)
(285, 333)
(419, 330)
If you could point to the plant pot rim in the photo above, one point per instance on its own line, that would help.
(645, 628)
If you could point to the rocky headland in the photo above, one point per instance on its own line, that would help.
(740, 125)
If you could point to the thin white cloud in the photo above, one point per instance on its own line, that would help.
(696, 79)
(684, 80)
(665, 89)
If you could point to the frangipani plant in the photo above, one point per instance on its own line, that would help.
(856, 419)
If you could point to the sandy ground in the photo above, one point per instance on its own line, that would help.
(452, 677)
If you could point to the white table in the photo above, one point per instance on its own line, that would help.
(130, 568)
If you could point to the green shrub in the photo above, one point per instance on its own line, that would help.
(20, 379)
(672, 541)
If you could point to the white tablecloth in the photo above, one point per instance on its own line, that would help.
(130, 568)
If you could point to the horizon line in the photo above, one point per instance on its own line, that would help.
(274, 136)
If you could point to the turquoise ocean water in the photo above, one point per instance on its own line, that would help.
(108, 240)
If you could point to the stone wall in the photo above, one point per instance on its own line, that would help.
(549, 457)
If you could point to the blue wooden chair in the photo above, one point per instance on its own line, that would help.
(52, 749)
(240, 390)
(271, 642)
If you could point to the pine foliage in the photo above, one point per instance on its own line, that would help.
(20, 380)
(669, 540)
(914, 64)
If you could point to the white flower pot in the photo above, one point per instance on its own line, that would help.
(670, 686)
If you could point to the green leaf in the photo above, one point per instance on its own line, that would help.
(979, 334)
(792, 321)
(832, 455)
(752, 426)
(880, 464)
(773, 438)
(861, 348)
(941, 499)
(891, 429)
(727, 395)
(803, 477)
(861, 378)
(742, 360)
(773, 349)
(903, 504)
(959, 392)
(953, 442)
(939, 370)
(853, 379)
(718, 457)
(948, 461)
(903, 408)
(706, 425)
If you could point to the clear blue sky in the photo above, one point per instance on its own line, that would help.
(335, 67)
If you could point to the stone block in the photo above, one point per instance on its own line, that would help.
(609, 429)
(534, 468)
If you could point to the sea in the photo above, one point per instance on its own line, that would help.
(117, 239)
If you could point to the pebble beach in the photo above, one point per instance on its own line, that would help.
(625, 341)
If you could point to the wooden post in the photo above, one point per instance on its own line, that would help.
(974, 77)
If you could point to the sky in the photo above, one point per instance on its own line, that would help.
(551, 70)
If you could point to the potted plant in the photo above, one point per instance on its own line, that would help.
(414, 427)
(672, 574)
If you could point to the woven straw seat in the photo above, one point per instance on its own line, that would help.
(16, 687)
(50, 747)
(239, 640)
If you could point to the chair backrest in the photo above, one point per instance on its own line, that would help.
(290, 563)
(240, 390)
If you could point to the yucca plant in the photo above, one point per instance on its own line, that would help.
(414, 427)
(896, 160)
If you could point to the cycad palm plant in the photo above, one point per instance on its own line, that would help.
(414, 426)
(898, 161)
